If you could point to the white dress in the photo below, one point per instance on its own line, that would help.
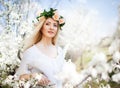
(35, 61)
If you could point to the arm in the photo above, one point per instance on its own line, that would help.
(25, 73)
(25, 77)
(43, 81)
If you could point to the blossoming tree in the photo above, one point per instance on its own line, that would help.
(103, 59)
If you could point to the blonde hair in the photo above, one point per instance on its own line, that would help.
(37, 35)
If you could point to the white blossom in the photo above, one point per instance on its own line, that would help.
(116, 56)
(116, 77)
(93, 72)
(114, 46)
(69, 73)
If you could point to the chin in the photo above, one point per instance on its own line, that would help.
(50, 36)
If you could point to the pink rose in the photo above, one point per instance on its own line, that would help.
(55, 12)
(61, 21)
(56, 16)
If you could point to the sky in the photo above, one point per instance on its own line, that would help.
(107, 8)
(108, 11)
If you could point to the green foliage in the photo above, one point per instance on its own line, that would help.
(5, 86)
(47, 14)
(114, 84)
(95, 84)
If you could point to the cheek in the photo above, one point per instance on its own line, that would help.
(45, 28)
(55, 30)
(44, 31)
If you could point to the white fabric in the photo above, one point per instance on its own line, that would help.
(35, 61)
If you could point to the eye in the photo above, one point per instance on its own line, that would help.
(47, 23)
(55, 25)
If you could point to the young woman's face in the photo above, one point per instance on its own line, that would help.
(50, 28)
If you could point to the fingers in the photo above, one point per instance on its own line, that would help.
(44, 81)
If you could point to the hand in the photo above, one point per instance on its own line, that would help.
(44, 81)
(24, 77)
(28, 76)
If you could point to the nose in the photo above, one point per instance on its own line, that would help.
(51, 27)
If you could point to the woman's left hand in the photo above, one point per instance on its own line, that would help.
(44, 81)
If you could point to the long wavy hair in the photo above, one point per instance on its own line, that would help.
(37, 35)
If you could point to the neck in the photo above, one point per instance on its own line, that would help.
(46, 41)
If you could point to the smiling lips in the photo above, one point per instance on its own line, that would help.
(50, 32)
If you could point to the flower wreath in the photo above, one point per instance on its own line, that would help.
(52, 14)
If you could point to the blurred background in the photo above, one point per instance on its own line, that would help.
(91, 27)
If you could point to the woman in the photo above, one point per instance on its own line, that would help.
(41, 54)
